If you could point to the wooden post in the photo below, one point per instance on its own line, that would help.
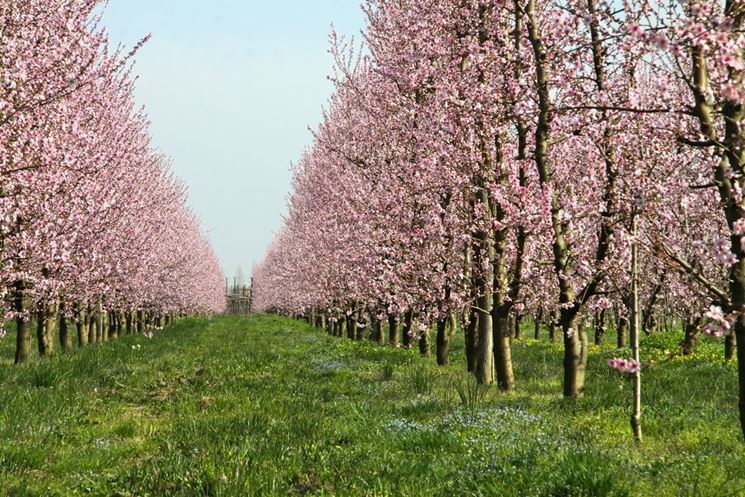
(636, 413)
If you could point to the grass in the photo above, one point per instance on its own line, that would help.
(268, 406)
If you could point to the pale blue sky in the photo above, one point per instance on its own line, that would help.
(231, 87)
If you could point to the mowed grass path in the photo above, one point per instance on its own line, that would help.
(268, 406)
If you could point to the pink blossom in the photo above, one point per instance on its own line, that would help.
(621, 365)
(731, 92)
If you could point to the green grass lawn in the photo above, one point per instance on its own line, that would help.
(268, 406)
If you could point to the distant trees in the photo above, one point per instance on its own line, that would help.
(481, 162)
(94, 228)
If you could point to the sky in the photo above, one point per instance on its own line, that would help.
(231, 87)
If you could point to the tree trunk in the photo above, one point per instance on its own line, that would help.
(740, 336)
(471, 338)
(406, 333)
(452, 325)
(424, 343)
(352, 327)
(485, 346)
(104, 318)
(537, 325)
(575, 354)
(65, 338)
(377, 330)
(516, 322)
(91, 327)
(650, 323)
(112, 325)
(50, 328)
(691, 336)
(140, 322)
(599, 327)
(23, 327)
(730, 344)
(502, 348)
(360, 327)
(46, 326)
(342, 327)
(484, 280)
(443, 342)
(394, 332)
(623, 325)
(81, 323)
(575, 341)
(42, 339)
(99, 324)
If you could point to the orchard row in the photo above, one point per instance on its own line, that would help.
(486, 160)
(93, 225)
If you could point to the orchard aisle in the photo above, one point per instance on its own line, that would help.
(267, 406)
